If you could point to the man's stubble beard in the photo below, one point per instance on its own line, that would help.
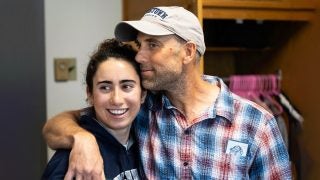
(162, 82)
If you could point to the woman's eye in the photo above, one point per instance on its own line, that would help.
(127, 87)
(105, 88)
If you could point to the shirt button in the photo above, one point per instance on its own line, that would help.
(185, 163)
(187, 132)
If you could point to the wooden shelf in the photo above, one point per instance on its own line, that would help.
(236, 49)
(288, 10)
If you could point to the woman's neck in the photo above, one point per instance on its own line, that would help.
(121, 135)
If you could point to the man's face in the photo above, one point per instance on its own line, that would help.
(161, 61)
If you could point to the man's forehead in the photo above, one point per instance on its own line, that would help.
(146, 37)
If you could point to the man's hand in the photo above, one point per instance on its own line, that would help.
(85, 161)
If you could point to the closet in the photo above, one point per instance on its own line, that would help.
(245, 37)
(237, 27)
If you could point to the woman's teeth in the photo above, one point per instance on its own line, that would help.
(117, 111)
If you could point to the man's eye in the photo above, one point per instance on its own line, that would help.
(152, 45)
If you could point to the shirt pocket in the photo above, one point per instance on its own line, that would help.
(231, 166)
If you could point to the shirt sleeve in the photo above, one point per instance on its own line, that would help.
(272, 159)
(57, 166)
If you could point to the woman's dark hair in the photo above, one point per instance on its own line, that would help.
(110, 48)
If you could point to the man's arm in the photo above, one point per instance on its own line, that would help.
(59, 131)
(63, 131)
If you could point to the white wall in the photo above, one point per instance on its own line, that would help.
(74, 28)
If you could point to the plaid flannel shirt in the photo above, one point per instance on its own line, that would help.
(171, 149)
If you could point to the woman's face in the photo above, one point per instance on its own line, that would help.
(116, 94)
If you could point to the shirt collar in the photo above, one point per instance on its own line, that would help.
(223, 106)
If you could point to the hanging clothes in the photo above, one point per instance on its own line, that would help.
(265, 90)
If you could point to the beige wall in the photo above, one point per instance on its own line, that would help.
(74, 28)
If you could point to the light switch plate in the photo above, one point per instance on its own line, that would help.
(65, 69)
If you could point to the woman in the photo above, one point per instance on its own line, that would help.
(114, 90)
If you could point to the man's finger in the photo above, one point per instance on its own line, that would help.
(99, 176)
(79, 177)
(69, 175)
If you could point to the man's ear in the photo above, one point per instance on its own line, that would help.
(143, 95)
(191, 50)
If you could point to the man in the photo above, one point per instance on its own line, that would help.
(190, 126)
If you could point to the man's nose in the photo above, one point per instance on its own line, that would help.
(140, 57)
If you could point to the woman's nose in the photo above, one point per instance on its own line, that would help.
(116, 97)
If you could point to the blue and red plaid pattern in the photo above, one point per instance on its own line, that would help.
(171, 149)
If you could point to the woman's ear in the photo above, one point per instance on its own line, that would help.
(89, 97)
(143, 95)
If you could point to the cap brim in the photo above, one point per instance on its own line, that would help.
(128, 30)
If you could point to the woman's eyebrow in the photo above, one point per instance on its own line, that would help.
(106, 82)
(128, 80)
(122, 81)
